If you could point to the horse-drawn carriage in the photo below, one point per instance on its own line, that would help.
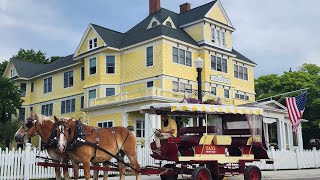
(231, 137)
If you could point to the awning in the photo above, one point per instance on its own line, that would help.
(209, 109)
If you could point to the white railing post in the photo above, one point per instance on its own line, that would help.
(273, 157)
(298, 159)
(314, 151)
(27, 162)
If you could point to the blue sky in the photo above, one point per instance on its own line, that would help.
(275, 34)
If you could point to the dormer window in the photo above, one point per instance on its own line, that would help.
(218, 36)
(12, 73)
(93, 43)
(168, 23)
(154, 24)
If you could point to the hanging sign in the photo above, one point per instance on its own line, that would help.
(220, 78)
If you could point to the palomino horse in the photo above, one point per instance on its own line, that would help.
(117, 141)
(46, 128)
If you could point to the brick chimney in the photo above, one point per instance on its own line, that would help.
(185, 7)
(154, 6)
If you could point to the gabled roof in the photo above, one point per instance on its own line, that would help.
(242, 57)
(140, 33)
(29, 70)
(195, 13)
(110, 37)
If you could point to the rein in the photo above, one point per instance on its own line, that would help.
(52, 141)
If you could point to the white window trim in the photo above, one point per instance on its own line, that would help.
(69, 79)
(179, 90)
(214, 86)
(51, 85)
(75, 105)
(135, 127)
(115, 63)
(26, 89)
(229, 92)
(105, 121)
(220, 56)
(185, 56)
(146, 56)
(89, 66)
(92, 39)
(105, 91)
(235, 64)
(151, 22)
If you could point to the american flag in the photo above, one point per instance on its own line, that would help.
(296, 107)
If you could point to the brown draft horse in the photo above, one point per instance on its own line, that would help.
(42, 125)
(111, 139)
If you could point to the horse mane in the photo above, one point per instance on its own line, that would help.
(42, 118)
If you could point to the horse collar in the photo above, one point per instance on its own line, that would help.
(52, 141)
(78, 138)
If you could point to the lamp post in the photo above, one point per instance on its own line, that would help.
(199, 63)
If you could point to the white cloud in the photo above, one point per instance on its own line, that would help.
(30, 18)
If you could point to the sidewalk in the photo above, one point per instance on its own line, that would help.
(280, 174)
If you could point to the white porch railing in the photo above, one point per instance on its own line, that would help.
(18, 164)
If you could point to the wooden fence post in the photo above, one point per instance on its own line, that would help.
(314, 150)
(27, 161)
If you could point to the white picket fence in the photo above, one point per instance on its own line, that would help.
(18, 164)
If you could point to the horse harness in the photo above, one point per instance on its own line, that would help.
(52, 141)
(79, 140)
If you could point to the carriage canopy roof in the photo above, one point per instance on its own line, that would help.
(201, 108)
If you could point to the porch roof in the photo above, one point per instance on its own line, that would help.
(205, 108)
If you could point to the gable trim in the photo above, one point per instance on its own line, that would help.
(223, 11)
(151, 22)
(170, 20)
(83, 37)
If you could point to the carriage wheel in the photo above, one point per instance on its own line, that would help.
(201, 173)
(252, 173)
(169, 177)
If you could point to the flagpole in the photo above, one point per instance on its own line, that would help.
(283, 94)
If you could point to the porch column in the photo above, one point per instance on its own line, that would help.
(149, 121)
(290, 136)
(266, 134)
(284, 133)
(299, 136)
(125, 118)
(279, 133)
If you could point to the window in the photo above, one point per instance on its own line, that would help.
(175, 86)
(140, 128)
(181, 87)
(181, 56)
(32, 87)
(223, 35)
(110, 91)
(22, 113)
(82, 74)
(93, 43)
(92, 94)
(92, 66)
(12, 72)
(149, 84)
(82, 102)
(154, 23)
(168, 23)
(241, 95)
(188, 58)
(219, 64)
(213, 35)
(23, 89)
(110, 64)
(46, 109)
(68, 79)
(175, 54)
(218, 36)
(226, 93)
(149, 55)
(47, 85)
(213, 90)
(105, 124)
(68, 106)
(31, 109)
(240, 72)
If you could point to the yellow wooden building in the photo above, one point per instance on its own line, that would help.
(112, 74)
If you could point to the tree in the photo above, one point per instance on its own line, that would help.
(10, 99)
(31, 56)
(7, 131)
(3, 66)
(306, 77)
